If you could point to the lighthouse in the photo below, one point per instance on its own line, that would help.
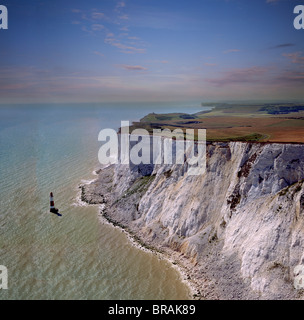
(52, 205)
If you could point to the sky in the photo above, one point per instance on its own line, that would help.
(150, 50)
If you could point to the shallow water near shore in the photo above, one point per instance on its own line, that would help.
(53, 148)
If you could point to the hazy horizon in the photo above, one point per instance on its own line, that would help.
(135, 51)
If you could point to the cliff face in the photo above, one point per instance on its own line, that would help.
(240, 225)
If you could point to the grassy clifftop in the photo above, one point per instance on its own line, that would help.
(236, 122)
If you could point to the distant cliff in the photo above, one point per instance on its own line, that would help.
(239, 228)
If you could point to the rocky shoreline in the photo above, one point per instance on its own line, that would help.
(177, 262)
(235, 232)
(197, 275)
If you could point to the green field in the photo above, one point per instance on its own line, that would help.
(236, 122)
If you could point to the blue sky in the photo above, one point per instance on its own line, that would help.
(150, 50)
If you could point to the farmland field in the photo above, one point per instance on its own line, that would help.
(236, 122)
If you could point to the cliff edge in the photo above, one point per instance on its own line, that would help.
(238, 228)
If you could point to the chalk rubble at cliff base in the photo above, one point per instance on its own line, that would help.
(238, 228)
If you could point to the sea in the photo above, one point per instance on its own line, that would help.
(54, 148)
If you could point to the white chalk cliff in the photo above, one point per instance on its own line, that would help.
(239, 227)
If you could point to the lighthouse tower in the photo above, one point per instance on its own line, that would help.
(52, 205)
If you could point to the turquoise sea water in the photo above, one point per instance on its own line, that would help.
(46, 148)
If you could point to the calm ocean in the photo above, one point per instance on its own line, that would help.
(46, 148)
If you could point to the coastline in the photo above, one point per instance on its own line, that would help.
(137, 242)
(154, 209)
(119, 191)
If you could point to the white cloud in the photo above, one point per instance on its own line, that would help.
(97, 15)
(97, 27)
